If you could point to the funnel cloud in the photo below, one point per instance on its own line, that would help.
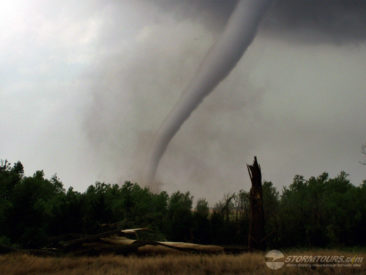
(218, 63)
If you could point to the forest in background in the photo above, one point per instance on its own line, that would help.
(315, 212)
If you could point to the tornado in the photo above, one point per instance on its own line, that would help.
(219, 61)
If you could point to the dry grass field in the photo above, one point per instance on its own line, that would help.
(248, 263)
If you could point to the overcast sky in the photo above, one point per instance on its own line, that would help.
(85, 85)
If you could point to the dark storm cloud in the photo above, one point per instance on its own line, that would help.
(319, 20)
(305, 21)
(213, 13)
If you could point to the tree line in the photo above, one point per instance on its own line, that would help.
(319, 211)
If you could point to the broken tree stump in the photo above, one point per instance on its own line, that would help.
(256, 215)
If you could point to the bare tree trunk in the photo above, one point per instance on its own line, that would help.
(256, 215)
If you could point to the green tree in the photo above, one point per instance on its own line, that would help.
(201, 224)
(34, 200)
(179, 217)
(271, 214)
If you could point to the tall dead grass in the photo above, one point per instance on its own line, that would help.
(249, 263)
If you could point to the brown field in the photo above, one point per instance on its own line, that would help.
(248, 263)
